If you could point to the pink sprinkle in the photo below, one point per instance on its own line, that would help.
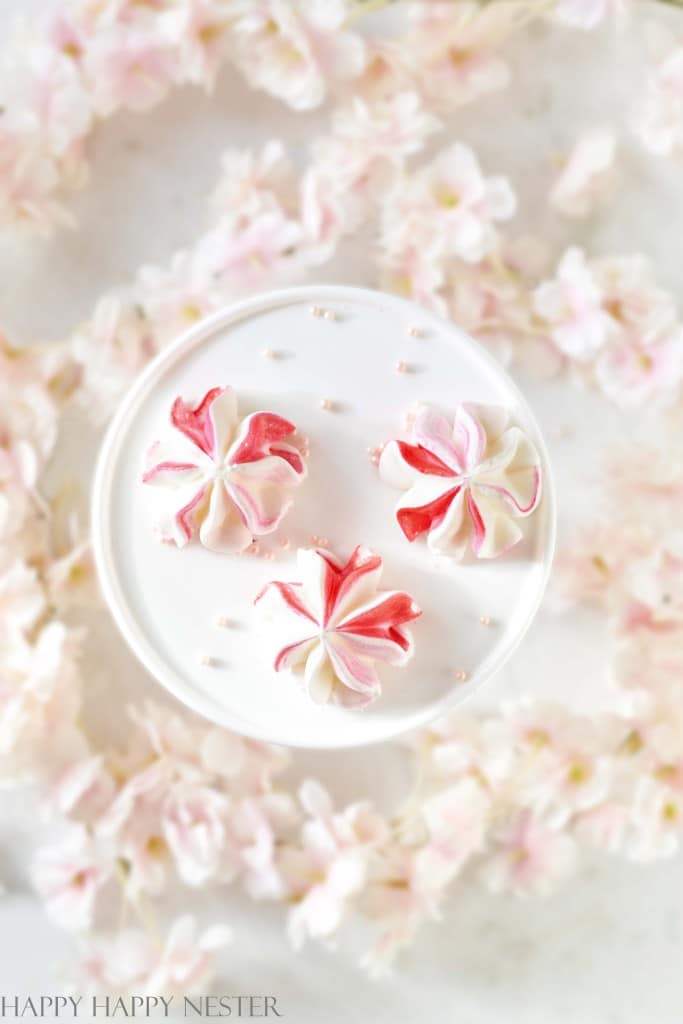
(375, 454)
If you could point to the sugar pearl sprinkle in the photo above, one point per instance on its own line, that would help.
(401, 367)
(414, 332)
(207, 660)
(326, 404)
(460, 675)
(318, 542)
(485, 620)
(375, 453)
(223, 621)
(320, 313)
(268, 353)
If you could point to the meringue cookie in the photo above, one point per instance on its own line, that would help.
(465, 482)
(334, 624)
(225, 480)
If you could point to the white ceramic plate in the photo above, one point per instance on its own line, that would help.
(167, 601)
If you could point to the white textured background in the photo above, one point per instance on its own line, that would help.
(607, 947)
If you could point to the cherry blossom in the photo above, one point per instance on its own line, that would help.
(198, 31)
(22, 601)
(456, 51)
(194, 824)
(253, 183)
(586, 175)
(639, 371)
(69, 875)
(243, 253)
(531, 858)
(658, 112)
(403, 890)
(452, 201)
(456, 821)
(653, 588)
(587, 14)
(331, 866)
(131, 961)
(128, 68)
(572, 305)
(39, 701)
(225, 481)
(290, 50)
(334, 623)
(466, 481)
(656, 819)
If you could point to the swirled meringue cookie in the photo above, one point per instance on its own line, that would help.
(223, 479)
(467, 480)
(334, 624)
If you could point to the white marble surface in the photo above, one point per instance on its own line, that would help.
(606, 948)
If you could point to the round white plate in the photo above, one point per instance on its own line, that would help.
(167, 602)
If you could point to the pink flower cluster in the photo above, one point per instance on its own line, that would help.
(610, 318)
(512, 798)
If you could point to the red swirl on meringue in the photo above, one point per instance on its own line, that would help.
(466, 481)
(225, 480)
(334, 624)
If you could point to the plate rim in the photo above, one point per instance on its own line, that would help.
(106, 458)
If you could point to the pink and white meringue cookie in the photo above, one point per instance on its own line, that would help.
(333, 624)
(466, 481)
(225, 480)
